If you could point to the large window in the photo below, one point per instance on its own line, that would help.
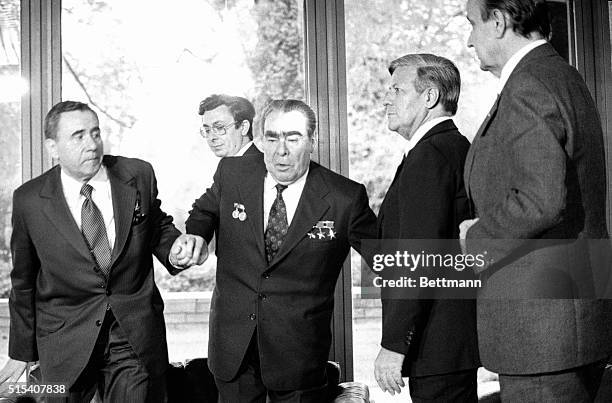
(146, 65)
(12, 87)
(376, 33)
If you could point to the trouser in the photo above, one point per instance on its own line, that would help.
(576, 385)
(457, 386)
(248, 387)
(115, 372)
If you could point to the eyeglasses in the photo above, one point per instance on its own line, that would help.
(216, 129)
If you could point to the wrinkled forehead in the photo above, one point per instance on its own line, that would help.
(285, 122)
(403, 75)
(221, 114)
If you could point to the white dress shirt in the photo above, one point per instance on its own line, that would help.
(245, 147)
(101, 196)
(291, 196)
(514, 61)
(422, 131)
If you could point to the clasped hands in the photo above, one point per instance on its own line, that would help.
(188, 250)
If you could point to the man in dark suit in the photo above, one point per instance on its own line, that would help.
(433, 340)
(227, 125)
(535, 173)
(285, 226)
(83, 300)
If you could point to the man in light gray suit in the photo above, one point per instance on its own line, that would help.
(536, 176)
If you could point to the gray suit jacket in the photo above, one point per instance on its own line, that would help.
(536, 171)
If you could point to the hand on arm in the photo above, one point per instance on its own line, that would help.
(188, 250)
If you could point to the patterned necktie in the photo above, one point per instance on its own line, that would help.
(277, 224)
(94, 231)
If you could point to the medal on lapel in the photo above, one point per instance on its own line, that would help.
(322, 230)
(239, 212)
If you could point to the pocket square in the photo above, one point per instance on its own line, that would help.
(139, 216)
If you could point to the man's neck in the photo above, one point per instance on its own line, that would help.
(512, 44)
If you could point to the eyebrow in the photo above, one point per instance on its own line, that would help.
(81, 131)
(284, 134)
(217, 122)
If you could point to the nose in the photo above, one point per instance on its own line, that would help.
(386, 101)
(282, 149)
(470, 43)
(90, 142)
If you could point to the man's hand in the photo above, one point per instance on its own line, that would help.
(388, 371)
(463, 229)
(188, 250)
(12, 371)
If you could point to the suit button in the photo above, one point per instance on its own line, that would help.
(108, 292)
(252, 316)
(262, 296)
(266, 275)
(98, 323)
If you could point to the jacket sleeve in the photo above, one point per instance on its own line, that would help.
(22, 338)
(426, 210)
(535, 198)
(203, 218)
(164, 231)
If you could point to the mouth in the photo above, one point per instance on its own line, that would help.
(282, 167)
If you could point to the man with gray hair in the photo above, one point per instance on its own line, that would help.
(431, 341)
(285, 225)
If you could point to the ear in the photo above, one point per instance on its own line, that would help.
(432, 97)
(244, 128)
(51, 147)
(499, 19)
(313, 140)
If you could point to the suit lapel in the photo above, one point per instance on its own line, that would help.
(251, 192)
(124, 194)
(469, 159)
(310, 209)
(57, 211)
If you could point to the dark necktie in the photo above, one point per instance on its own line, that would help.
(94, 231)
(277, 224)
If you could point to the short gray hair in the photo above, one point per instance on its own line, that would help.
(433, 71)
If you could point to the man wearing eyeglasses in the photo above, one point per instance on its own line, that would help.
(227, 125)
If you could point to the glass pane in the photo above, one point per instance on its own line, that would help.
(376, 33)
(145, 67)
(12, 88)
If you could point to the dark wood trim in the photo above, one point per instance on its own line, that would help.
(603, 86)
(41, 68)
(326, 94)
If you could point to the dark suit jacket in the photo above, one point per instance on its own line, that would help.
(290, 301)
(58, 294)
(252, 150)
(427, 200)
(536, 171)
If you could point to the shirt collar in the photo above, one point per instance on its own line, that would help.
(422, 131)
(73, 186)
(245, 147)
(270, 183)
(514, 61)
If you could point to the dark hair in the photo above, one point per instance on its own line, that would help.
(52, 118)
(434, 71)
(288, 105)
(526, 16)
(240, 108)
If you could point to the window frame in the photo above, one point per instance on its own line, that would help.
(325, 77)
